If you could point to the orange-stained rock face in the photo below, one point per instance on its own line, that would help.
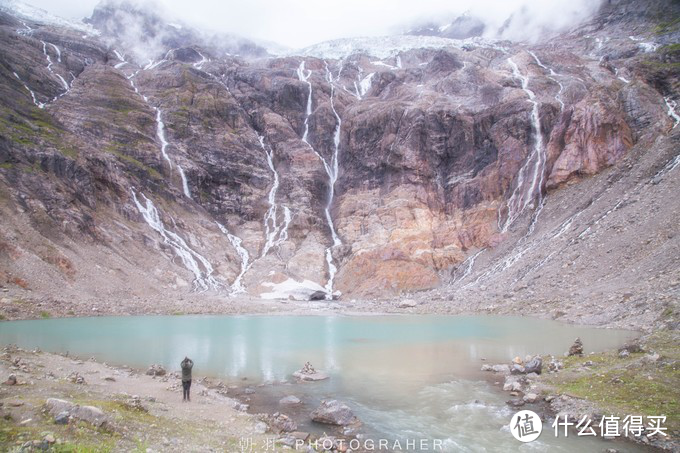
(592, 136)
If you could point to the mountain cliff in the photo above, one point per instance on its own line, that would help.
(155, 160)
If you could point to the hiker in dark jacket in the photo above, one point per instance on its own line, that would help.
(186, 364)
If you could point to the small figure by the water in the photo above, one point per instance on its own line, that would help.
(187, 364)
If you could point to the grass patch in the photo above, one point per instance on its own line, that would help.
(631, 385)
(79, 438)
(116, 150)
(6, 165)
(69, 152)
(666, 26)
(45, 314)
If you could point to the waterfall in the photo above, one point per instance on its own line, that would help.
(333, 177)
(49, 64)
(331, 170)
(467, 266)
(672, 105)
(40, 105)
(25, 31)
(552, 76)
(530, 177)
(203, 278)
(199, 64)
(185, 184)
(365, 85)
(236, 242)
(152, 64)
(58, 51)
(160, 133)
(121, 57)
(271, 225)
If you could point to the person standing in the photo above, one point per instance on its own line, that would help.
(187, 364)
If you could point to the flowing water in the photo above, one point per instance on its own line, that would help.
(203, 279)
(530, 179)
(404, 376)
(331, 169)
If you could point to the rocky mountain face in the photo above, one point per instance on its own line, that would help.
(391, 170)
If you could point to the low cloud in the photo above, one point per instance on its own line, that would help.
(300, 23)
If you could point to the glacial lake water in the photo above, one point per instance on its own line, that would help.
(406, 377)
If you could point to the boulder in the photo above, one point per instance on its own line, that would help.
(535, 365)
(289, 400)
(333, 412)
(261, 427)
(530, 398)
(500, 368)
(407, 303)
(56, 406)
(308, 373)
(156, 370)
(651, 358)
(631, 347)
(62, 410)
(517, 402)
(512, 384)
(576, 348)
(281, 423)
(89, 414)
(318, 295)
(517, 369)
(62, 418)
(11, 380)
(293, 439)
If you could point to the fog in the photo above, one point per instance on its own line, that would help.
(300, 23)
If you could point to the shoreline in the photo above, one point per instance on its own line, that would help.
(16, 308)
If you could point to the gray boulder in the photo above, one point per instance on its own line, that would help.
(333, 412)
(535, 365)
(318, 295)
(90, 414)
(281, 423)
(512, 384)
(530, 398)
(156, 370)
(62, 410)
(499, 368)
(289, 400)
(11, 380)
(62, 418)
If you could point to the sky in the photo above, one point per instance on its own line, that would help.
(300, 23)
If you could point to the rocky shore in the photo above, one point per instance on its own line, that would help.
(640, 378)
(56, 402)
